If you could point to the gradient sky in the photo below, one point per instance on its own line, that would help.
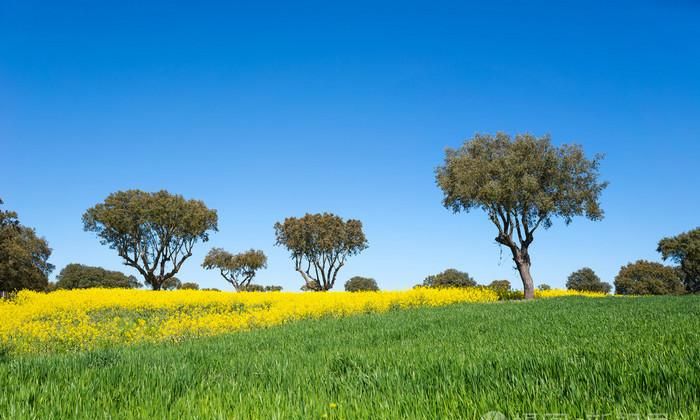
(269, 110)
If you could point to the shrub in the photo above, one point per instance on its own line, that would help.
(449, 278)
(503, 285)
(544, 286)
(648, 278)
(260, 288)
(189, 286)
(361, 284)
(586, 280)
(504, 291)
(173, 283)
(78, 276)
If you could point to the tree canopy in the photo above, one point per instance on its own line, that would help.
(521, 183)
(449, 278)
(78, 276)
(500, 285)
(361, 284)
(684, 250)
(171, 283)
(320, 245)
(648, 278)
(153, 232)
(587, 280)
(237, 269)
(189, 286)
(23, 255)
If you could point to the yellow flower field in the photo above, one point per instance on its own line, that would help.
(90, 318)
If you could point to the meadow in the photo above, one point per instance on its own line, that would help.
(566, 355)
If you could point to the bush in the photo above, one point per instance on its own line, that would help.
(78, 276)
(544, 286)
(173, 283)
(189, 286)
(586, 280)
(648, 278)
(260, 288)
(449, 278)
(361, 284)
(502, 285)
(504, 291)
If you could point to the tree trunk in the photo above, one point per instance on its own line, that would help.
(528, 284)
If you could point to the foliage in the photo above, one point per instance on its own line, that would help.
(78, 276)
(361, 284)
(459, 361)
(504, 290)
(189, 286)
(153, 232)
(503, 285)
(684, 249)
(253, 288)
(587, 280)
(23, 255)
(320, 245)
(544, 286)
(648, 278)
(449, 278)
(237, 269)
(521, 184)
(173, 283)
(260, 288)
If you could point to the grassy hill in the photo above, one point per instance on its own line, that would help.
(575, 356)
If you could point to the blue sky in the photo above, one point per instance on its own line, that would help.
(268, 110)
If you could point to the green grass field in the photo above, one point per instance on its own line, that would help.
(575, 356)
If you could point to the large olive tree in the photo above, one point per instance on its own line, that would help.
(684, 249)
(320, 244)
(237, 269)
(521, 183)
(153, 232)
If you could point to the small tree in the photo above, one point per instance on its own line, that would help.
(521, 184)
(78, 276)
(153, 232)
(189, 286)
(361, 284)
(260, 288)
(237, 269)
(173, 283)
(684, 249)
(586, 280)
(648, 278)
(544, 286)
(501, 285)
(320, 245)
(449, 278)
(23, 256)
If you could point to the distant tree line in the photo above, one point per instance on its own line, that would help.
(521, 183)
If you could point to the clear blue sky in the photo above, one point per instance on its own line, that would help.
(269, 110)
